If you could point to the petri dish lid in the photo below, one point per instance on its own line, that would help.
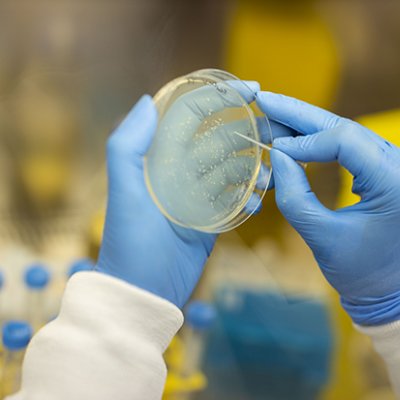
(200, 170)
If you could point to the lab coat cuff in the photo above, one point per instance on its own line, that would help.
(118, 305)
(385, 337)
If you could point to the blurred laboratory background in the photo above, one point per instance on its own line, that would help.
(263, 324)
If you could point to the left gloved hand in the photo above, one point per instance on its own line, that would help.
(140, 246)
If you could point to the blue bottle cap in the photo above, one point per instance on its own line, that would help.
(16, 335)
(200, 315)
(83, 264)
(37, 277)
(1, 279)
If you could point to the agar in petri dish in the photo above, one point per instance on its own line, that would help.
(201, 170)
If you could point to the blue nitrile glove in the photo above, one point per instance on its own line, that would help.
(140, 246)
(357, 247)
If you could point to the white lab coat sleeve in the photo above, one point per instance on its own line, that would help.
(107, 343)
(386, 341)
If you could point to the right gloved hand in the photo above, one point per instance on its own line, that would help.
(357, 247)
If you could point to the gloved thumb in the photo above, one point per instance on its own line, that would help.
(129, 143)
(294, 197)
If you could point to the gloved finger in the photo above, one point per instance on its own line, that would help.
(349, 144)
(130, 141)
(296, 114)
(232, 172)
(273, 130)
(294, 197)
(264, 129)
(265, 178)
(302, 117)
(280, 130)
(247, 89)
(271, 184)
(253, 205)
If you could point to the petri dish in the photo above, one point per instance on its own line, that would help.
(205, 169)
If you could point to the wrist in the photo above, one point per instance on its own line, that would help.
(138, 282)
(373, 311)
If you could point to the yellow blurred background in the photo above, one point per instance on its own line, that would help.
(70, 70)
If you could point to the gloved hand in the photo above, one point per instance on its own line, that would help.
(140, 246)
(357, 247)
